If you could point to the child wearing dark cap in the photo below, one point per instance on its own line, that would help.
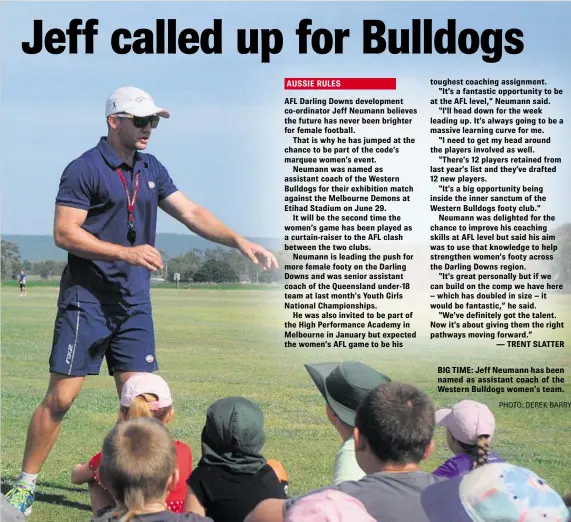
(393, 434)
(233, 476)
(343, 386)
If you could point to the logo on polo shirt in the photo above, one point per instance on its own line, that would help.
(151, 184)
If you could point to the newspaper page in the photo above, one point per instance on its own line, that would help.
(333, 237)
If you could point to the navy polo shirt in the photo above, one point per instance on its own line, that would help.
(91, 183)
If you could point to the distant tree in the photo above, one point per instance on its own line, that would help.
(10, 257)
(213, 271)
(186, 265)
(49, 269)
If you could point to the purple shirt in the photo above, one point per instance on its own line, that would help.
(460, 464)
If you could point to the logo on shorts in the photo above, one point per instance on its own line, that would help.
(69, 353)
(151, 184)
(149, 359)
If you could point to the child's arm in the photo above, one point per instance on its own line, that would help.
(81, 474)
(192, 504)
(269, 510)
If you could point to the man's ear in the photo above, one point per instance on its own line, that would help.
(173, 480)
(429, 450)
(360, 440)
(112, 121)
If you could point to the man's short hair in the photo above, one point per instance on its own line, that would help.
(397, 420)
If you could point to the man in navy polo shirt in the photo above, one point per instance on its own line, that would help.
(105, 217)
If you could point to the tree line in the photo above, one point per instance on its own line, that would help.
(213, 265)
(227, 265)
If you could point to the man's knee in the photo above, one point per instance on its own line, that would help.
(57, 405)
(61, 395)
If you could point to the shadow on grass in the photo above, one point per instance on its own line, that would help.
(51, 498)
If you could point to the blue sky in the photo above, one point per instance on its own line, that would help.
(221, 144)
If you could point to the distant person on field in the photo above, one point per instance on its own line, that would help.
(343, 386)
(139, 468)
(470, 427)
(22, 280)
(233, 476)
(393, 434)
(105, 218)
(143, 395)
(497, 492)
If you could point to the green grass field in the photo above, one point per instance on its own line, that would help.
(214, 343)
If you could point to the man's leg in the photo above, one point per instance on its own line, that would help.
(42, 434)
(46, 422)
(132, 348)
(120, 379)
(79, 329)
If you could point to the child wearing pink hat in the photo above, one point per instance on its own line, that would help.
(329, 505)
(143, 395)
(470, 428)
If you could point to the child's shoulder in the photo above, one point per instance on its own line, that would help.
(454, 466)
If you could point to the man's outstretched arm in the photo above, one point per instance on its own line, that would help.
(69, 235)
(202, 222)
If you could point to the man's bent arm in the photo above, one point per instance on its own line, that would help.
(202, 222)
(198, 220)
(69, 235)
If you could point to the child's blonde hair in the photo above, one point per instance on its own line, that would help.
(146, 395)
(138, 459)
(140, 408)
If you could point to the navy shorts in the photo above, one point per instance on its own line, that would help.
(85, 333)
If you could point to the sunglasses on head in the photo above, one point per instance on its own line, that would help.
(142, 121)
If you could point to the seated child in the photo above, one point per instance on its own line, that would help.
(393, 435)
(232, 475)
(493, 493)
(143, 395)
(139, 468)
(470, 427)
(343, 386)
